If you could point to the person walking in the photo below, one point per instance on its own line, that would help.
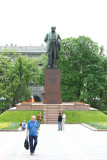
(32, 128)
(39, 117)
(59, 122)
(63, 120)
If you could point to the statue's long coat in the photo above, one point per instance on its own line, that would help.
(48, 40)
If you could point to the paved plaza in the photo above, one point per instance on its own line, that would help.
(74, 143)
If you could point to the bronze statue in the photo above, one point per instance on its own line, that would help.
(53, 41)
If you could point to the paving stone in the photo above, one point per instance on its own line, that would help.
(74, 143)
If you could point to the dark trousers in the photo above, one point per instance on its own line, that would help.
(32, 144)
(38, 124)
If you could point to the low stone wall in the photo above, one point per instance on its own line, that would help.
(30, 106)
(63, 106)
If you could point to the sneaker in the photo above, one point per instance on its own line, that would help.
(31, 153)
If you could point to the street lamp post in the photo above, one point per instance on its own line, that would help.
(97, 99)
(2, 99)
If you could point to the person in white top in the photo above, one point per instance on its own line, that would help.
(63, 120)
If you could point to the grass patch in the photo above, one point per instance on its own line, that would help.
(85, 116)
(9, 125)
(18, 116)
(100, 125)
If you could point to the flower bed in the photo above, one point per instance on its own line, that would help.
(98, 125)
(5, 125)
(9, 125)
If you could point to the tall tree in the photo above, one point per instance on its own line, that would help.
(44, 62)
(15, 75)
(83, 71)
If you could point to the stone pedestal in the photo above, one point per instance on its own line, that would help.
(52, 93)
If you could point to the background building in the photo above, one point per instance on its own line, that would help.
(30, 51)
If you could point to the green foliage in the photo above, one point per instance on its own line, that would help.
(85, 116)
(105, 112)
(83, 71)
(43, 61)
(18, 116)
(16, 72)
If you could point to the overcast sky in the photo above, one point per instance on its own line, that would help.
(25, 22)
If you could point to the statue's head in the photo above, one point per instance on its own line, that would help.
(53, 28)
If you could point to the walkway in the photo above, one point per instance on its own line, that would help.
(74, 143)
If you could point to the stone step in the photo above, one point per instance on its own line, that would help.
(52, 111)
(55, 116)
(51, 122)
(52, 119)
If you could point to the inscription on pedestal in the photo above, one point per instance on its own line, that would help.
(52, 94)
(52, 80)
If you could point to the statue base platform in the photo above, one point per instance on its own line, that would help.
(51, 111)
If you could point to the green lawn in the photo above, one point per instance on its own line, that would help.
(71, 116)
(18, 116)
(85, 116)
